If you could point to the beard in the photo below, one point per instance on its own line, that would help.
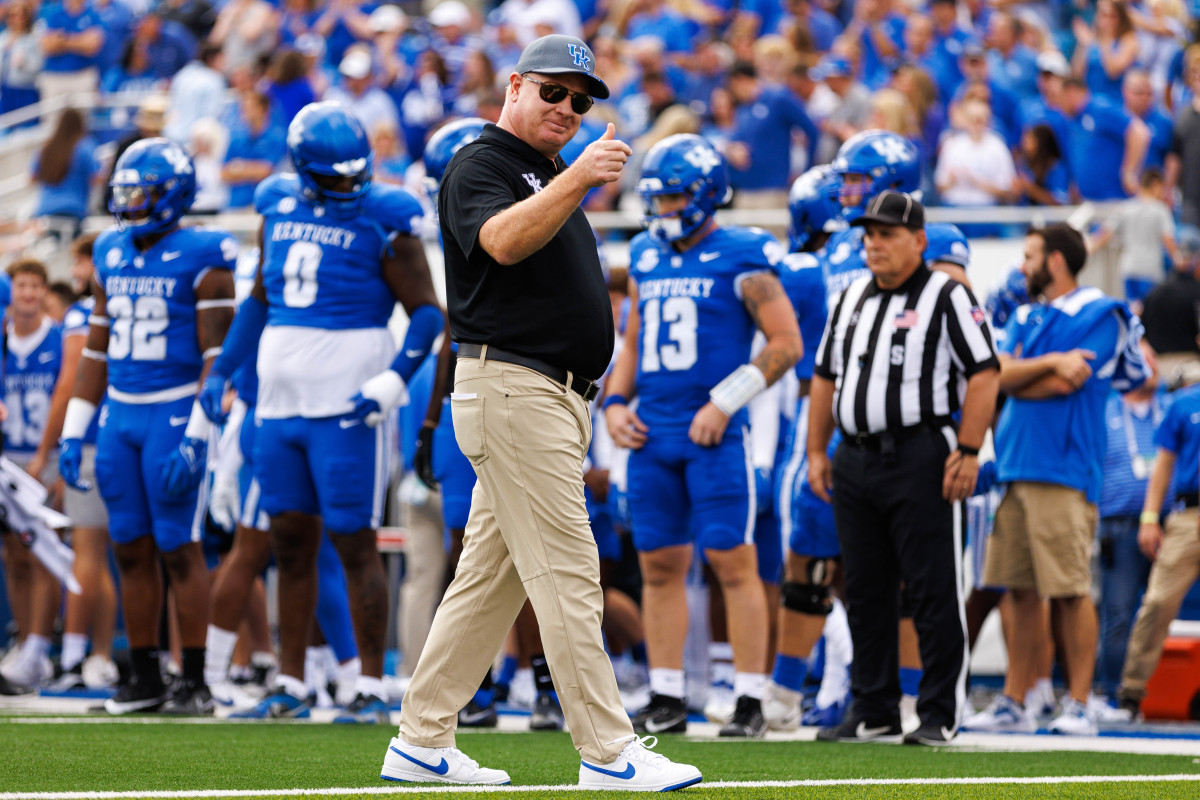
(1038, 281)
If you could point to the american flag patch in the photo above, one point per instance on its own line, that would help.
(978, 315)
(906, 320)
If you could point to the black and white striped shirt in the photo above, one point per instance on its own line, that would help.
(902, 357)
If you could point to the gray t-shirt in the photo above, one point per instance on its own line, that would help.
(1140, 224)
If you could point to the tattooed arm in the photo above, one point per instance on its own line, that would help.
(773, 314)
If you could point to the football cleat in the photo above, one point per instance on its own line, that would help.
(408, 762)
(277, 705)
(190, 699)
(477, 716)
(858, 730)
(136, 696)
(747, 720)
(663, 714)
(721, 703)
(367, 709)
(781, 708)
(99, 672)
(69, 681)
(547, 714)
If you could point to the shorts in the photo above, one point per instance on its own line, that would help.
(454, 474)
(85, 509)
(673, 483)
(769, 545)
(1042, 539)
(336, 467)
(133, 444)
(805, 519)
(608, 541)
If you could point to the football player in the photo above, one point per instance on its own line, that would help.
(338, 251)
(697, 288)
(164, 301)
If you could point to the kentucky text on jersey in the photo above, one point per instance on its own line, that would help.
(675, 287)
(140, 285)
(311, 232)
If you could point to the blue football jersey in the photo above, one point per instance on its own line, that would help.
(151, 303)
(695, 330)
(844, 259)
(75, 323)
(804, 283)
(322, 270)
(31, 368)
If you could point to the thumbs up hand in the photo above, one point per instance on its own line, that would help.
(603, 159)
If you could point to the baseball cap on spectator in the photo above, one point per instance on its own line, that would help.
(1053, 62)
(450, 12)
(893, 208)
(356, 64)
(559, 54)
(832, 67)
(387, 19)
(310, 45)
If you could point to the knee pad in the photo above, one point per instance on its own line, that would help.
(806, 598)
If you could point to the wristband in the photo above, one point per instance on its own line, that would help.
(614, 400)
(968, 451)
(738, 388)
(78, 418)
(1149, 518)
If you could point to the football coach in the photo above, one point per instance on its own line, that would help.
(906, 352)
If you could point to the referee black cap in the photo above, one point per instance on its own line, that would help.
(894, 208)
(557, 54)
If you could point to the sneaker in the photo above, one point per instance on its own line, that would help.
(29, 672)
(10, 690)
(277, 705)
(547, 714)
(69, 681)
(136, 696)
(663, 714)
(781, 708)
(721, 703)
(637, 768)
(909, 720)
(1074, 719)
(747, 721)
(190, 699)
(1004, 715)
(1040, 700)
(367, 709)
(1104, 713)
(100, 672)
(407, 762)
(931, 735)
(859, 730)
(231, 695)
(477, 716)
(824, 716)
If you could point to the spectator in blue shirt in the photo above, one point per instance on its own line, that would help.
(880, 33)
(168, 45)
(1138, 93)
(1105, 49)
(1130, 421)
(766, 118)
(921, 51)
(134, 73)
(1012, 64)
(1042, 178)
(198, 92)
(1105, 145)
(1046, 107)
(296, 18)
(63, 171)
(655, 18)
(72, 39)
(822, 26)
(343, 24)
(288, 86)
(256, 147)
(20, 58)
(197, 17)
(117, 20)
(949, 38)
(1006, 112)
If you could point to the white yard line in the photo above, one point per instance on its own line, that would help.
(220, 793)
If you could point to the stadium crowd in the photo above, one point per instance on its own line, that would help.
(968, 104)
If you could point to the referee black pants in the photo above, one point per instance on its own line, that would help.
(894, 526)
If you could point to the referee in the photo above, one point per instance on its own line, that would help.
(530, 310)
(904, 351)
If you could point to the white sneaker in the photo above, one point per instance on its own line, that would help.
(1002, 716)
(396, 686)
(720, 704)
(781, 708)
(1102, 712)
(407, 762)
(29, 672)
(638, 769)
(229, 694)
(522, 693)
(1074, 719)
(1040, 700)
(99, 672)
(909, 721)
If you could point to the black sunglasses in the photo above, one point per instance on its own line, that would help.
(555, 93)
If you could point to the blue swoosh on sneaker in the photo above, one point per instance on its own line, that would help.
(440, 769)
(624, 774)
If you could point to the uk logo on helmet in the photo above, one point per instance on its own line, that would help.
(580, 56)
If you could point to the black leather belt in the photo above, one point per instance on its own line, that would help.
(1189, 499)
(579, 385)
(886, 440)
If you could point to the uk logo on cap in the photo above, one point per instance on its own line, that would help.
(581, 57)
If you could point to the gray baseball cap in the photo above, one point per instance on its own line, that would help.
(558, 54)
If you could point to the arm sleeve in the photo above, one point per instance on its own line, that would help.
(473, 192)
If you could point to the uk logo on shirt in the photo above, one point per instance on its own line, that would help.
(533, 180)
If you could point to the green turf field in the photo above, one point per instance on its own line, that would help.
(265, 760)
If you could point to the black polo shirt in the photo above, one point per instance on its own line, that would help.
(1171, 314)
(553, 305)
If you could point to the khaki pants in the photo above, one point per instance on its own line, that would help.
(1175, 570)
(81, 83)
(424, 575)
(528, 534)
